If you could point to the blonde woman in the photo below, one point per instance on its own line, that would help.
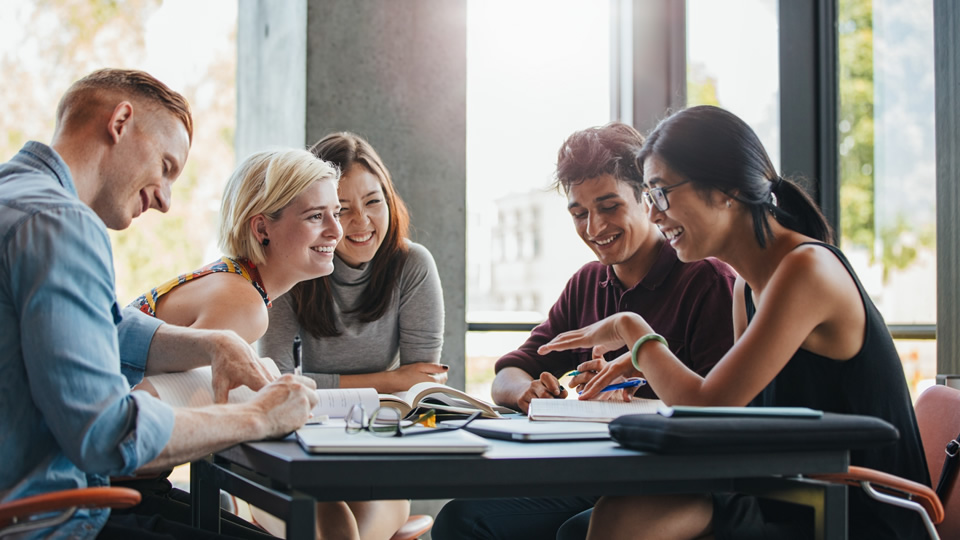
(279, 225)
(377, 320)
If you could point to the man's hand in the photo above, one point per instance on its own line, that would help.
(285, 404)
(608, 373)
(547, 386)
(232, 360)
(278, 409)
(233, 363)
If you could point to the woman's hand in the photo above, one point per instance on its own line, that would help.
(610, 334)
(579, 381)
(408, 375)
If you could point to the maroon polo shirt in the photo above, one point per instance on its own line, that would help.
(690, 304)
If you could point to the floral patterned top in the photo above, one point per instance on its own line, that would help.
(147, 303)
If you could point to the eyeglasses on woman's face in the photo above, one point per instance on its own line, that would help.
(388, 422)
(658, 196)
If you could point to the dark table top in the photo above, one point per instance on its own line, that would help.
(513, 469)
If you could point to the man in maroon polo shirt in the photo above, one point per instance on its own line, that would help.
(637, 270)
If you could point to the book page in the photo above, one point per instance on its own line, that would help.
(193, 388)
(589, 411)
(397, 402)
(336, 402)
(453, 399)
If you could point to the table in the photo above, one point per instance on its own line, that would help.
(279, 477)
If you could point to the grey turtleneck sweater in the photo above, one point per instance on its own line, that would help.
(410, 331)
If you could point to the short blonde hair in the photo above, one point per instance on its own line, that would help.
(265, 183)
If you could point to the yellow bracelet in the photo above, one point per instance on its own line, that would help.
(641, 341)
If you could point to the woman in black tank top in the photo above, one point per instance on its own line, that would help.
(806, 333)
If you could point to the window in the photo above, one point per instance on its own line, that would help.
(537, 70)
(733, 62)
(887, 165)
(46, 46)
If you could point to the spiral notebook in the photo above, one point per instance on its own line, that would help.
(573, 410)
(334, 440)
(522, 429)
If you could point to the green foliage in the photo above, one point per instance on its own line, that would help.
(855, 119)
(701, 88)
(901, 243)
(896, 245)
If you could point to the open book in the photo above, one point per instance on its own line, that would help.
(194, 388)
(430, 395)
(589, 411)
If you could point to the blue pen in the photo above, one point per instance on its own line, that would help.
(632, 383)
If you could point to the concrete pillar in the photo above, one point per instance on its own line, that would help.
(946, 32)
(392, 72)
(271, 75)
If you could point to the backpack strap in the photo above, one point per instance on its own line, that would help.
(949, 467)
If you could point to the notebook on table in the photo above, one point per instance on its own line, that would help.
(334, 440)
(522, 429)
(589, 411)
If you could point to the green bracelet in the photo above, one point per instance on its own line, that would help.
(641, 341)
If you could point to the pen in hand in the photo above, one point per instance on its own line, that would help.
(297, 356)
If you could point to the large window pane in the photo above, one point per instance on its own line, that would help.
(537, 70)
(45, 46)
(733, 62)
(887, 165)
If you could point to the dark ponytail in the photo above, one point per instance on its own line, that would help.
(797, 211)
(715, 149)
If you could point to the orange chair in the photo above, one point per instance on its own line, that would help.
(15, 516)
(415, 527)
(938, 415)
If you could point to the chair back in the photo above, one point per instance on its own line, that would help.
(938, 415)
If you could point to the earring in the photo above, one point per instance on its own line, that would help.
(728, 203)
(265, 242)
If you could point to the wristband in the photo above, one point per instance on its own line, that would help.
(641, 341)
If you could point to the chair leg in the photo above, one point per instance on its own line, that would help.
(903, 503)
(30, 525)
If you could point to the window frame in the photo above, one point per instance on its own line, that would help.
(649, 77)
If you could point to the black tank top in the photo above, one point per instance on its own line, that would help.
(871, 383)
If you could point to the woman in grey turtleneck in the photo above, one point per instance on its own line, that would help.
(377, 321)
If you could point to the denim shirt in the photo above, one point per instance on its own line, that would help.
(68, 355)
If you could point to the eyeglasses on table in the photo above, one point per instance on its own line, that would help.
(388, 422)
